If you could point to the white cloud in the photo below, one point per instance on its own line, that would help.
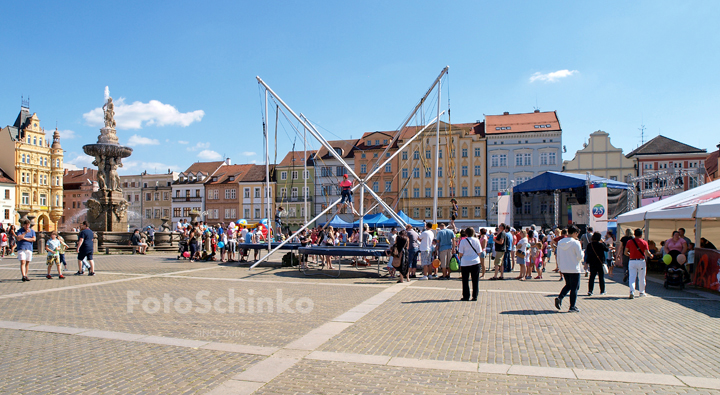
(183, 142)
(79, 161)
(139, 114)
(69, 166)
(199, 146)
(552, 77)
(209, 155)
(136, 140)
(248, 153)
(136, 167)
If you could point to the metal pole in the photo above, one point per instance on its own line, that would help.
(556, 201)
(437, 160)
(267, 172)
(305, 174)
(297, 232)
(362, 212)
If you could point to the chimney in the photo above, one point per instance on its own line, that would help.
(536, 111)
(227, 161)
(85, 170)
(65, 171)
(506, 113)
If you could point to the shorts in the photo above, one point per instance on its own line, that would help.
(444, 257)
(25, 255)
(453, 216)
(499, 258)
(85, 255)
(483, 254)
(520, 260)
(52, 260)
(3, 244)
(346, 196)
(390, 265)
(426, 258)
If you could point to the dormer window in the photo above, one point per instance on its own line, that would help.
(369, 142)
(231, 178)
(214, 179)
(377, 142)
(385, 141)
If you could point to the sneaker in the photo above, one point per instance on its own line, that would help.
(574, 309)
(632, 296)
(24, 279)
(48, 276)
(413, 276)
(79, 273)
(558, 303)
(423, 278)
(603, 293)
(434, 276)
(590, 294)
(91, 273)
(642, 294)
(61, 277)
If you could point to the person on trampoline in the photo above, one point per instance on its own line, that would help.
(345, 193)
(453, 213)
(278, 220)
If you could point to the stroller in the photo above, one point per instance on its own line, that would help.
(182, 248)
(674, 273)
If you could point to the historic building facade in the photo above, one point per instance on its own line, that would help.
(328, 174)
(294, 185)
(7, 199)
(600, 158)
(253, 201)
(369, 151)
(155, 193)
(36, 165)
(222, 194)
(188, 191)
(78, 185)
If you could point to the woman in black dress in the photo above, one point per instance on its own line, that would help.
(595, 254)
(401, 245)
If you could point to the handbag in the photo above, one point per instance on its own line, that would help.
(605, 268)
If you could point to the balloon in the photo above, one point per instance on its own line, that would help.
(232, 224)
(186, 254)
(667, 259)
(221, 245)
(681, 259)
(436, 263)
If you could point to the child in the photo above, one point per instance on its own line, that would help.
(534, 254)
(539, 260)
(53, 257)
(61, 250)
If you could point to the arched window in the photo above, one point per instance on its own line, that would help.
(34, 140)
(22, 158)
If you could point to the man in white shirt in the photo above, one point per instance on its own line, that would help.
(426, 239)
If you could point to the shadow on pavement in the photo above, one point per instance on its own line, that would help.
(529, 312)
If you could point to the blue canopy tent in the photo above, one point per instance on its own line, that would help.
(391, 222)
(338, 222)
(372, 220)
(552, 180)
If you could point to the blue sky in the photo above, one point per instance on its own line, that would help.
(185, 71)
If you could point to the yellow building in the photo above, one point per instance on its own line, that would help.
(461, 174)
(600, 158)
(37, 166)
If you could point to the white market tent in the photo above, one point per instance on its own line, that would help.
(697, 208)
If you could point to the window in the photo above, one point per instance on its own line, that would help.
(246, 193)
(614, 178)
(137, 198)
(405, 193)
(388, 186)
(427, 154)
(229, 194)
(404, 173)
(404, 155)
(477, 212)
(416, 155)
(494, 184)
(518, 210)
(230, 213)
(148, 213)
(388, 168)
(416, 192)
(427, 173)
(363, 168)
(427, 192)
(362, 155)
(464, 153)
(257, 213)
(22, 158)
(294, 175)
(543, 207)
(157, 213)
(440, 172)
(478, 190)
(306, 174)
(157, 196)
(452, 153)
(503, 183)
(294, 193)
(148, 197)
(34, 140)
(527, 159)
(494, 161)
(464, 212)
(552, 157)
(197, 193)
(57, 162)
(464, 191)
(440, 192)
(186, 211)
(543, 158)
(25, 198)
(283, 175)
(477, 170)
(339, 171)
(464, 171)
(416, 172)
(526, 207)
(129, 198)
(306, 192)
(176, 212)
(377, 142)
(212, 194)
(257, 192)
(385, 141)
(428, 212)
(503, 160)
(477, 152)
(166, 195)
(416, 212)
(440, 156)
(518, 159)
(7, 194)
(375, 154)
(247, 213)
(369, 142)
(283, 193)
(376, 187)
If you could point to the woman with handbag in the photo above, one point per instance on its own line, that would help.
(469, 252)
(595, 253)
(398, 251)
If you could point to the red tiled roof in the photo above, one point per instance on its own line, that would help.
(664, 145)
(519, 123)
(257, 173)
(79, 176)
(225, 172)
(345, 146)
(711, 163)
(5, 178)
(295, 157)
(205, 167)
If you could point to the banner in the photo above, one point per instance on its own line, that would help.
(707, 270)
(598, 207)
(505, 208)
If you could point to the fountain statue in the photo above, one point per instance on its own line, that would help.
(107, 208)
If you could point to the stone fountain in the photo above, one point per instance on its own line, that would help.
(107, 208)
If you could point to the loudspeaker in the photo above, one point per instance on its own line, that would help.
(517, 202)
(581, 195)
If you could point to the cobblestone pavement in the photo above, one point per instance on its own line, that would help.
(321, 377)
(512, 329)
(37, 363)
